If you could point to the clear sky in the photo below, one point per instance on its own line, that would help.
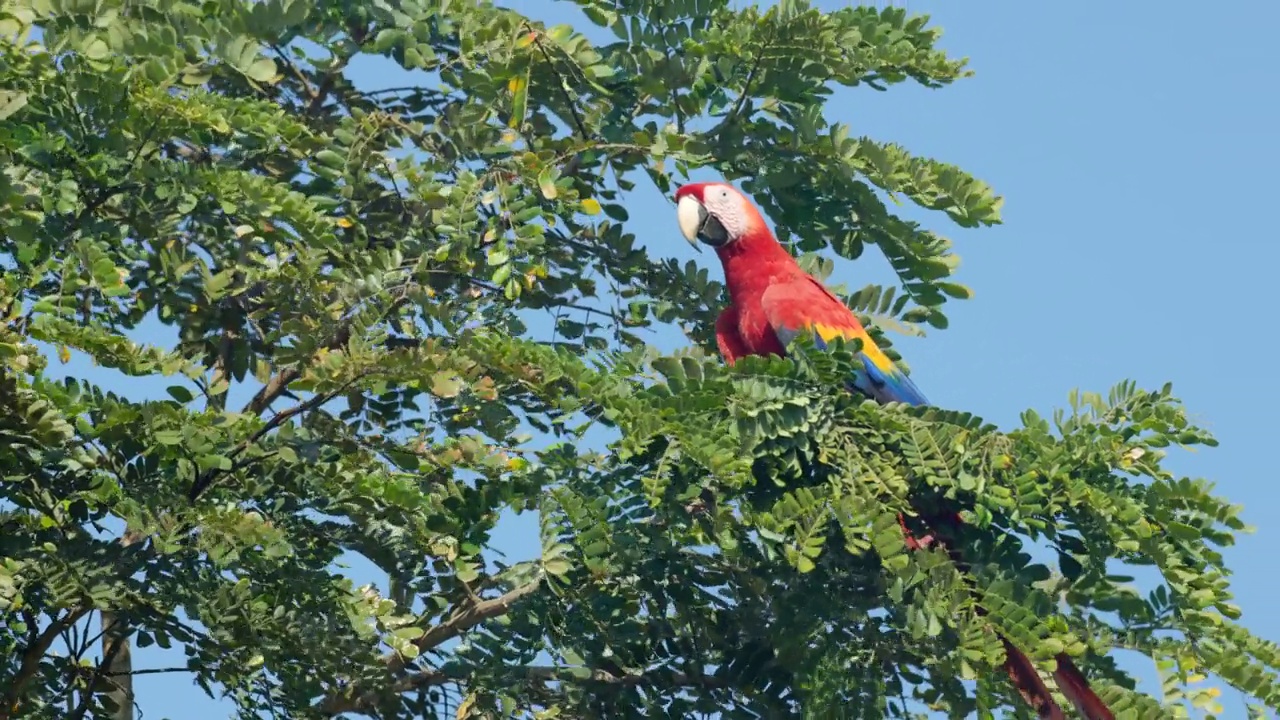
(1137, 145)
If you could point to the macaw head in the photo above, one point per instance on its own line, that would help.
(716, 214)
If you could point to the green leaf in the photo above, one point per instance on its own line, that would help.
(96, 49)
(519, 89)
(213, 462)
(446, 384)
(412, 632)
(330, 159)
(1071, 568)
(11, 102)
(547, 183)
(263, 70)
(168, 437)
(557, 567)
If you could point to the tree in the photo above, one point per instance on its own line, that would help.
(384, 317)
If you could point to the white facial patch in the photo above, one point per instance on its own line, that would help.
(729, 207)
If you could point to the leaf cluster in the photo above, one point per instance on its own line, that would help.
(366, 324)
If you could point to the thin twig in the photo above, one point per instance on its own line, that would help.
(564, 90)
(297, 72)
(151, 671)
(573, 306)
(87, 696)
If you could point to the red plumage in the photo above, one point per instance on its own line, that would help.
(754, 264)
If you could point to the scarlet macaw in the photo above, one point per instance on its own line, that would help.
(772, 301)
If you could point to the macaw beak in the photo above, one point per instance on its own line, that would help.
(696, 224)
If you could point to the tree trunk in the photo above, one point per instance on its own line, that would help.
(117, 655)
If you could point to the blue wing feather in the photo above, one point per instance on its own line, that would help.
(879, 385)
(896, 387)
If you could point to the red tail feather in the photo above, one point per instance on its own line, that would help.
(1022, 672)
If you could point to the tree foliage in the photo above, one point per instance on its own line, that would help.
(386, 316)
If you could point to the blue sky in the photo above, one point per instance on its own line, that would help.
(1131, 144)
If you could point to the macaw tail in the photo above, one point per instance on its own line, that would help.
(1021, 671)
(1070, 681)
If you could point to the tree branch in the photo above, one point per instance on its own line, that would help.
(123, 692)
(547, 674)
(469, 617)
(31, 658)
(745, 96)
(459, 622)
(152, 671)
(276, 386)
(297, 73)
(205, 480)
(564, 674)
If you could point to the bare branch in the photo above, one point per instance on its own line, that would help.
(468, 618)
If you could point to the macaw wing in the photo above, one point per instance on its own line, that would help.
(804, 305)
